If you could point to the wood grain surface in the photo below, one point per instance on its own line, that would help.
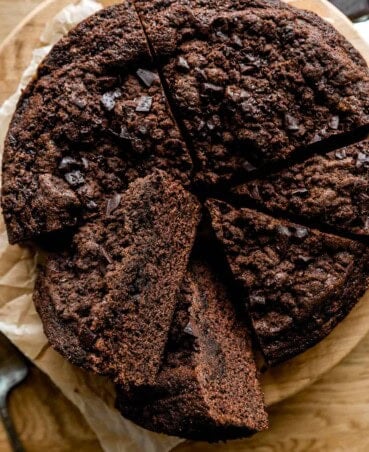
(333, 414)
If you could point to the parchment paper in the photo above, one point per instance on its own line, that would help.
(93, 395)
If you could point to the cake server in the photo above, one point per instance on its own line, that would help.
(13, 370)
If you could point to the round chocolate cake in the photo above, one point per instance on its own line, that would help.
(198, 172)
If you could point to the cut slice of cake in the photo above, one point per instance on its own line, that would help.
(94, 119)
(107, 304)
(298, 282)
(253, 82)
(207, 388)
(330, 189)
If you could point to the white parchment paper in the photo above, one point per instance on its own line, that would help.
(93, 395)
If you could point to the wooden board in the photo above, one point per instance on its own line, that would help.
(293, 376)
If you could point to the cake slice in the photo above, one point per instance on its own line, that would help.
(94, 119)
(107, 304)
(207, 388)
(253, 82)
(330, 189)
(298, 282)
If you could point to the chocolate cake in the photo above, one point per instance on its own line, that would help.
(208, 358)
(330, 189)
(252, 85)
(107, 304)
(298, 282)
(224, 133)
(94, 120)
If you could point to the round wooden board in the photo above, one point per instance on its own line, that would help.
(291, 377)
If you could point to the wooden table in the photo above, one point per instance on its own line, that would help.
(331, 415)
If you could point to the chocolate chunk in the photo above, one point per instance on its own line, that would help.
(144, 104)
(108, 99)
(74, 178)
(146, 76)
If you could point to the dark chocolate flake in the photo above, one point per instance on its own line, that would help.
(67, 163)
(291, 123)
(85, 163)
(210, 87)
(340, 154)
(91, 205)
(113, 203)
(78, 102)
(304, 259)
(221, 35)
(300, 192)
(301, 232)
(188, 330)
(362, 159)
(248, 167)
(146, 76)
(108, 99)
(124, 134)
(237, 40)
(256, 300)
(144, 104)
(283, 230)
(74, 178)
(183, 64)
(334, 122)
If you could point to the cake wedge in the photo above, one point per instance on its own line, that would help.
(298, 282)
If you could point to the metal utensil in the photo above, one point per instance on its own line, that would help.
(13, 370)
(355, 9)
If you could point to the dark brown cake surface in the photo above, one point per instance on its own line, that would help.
(207, 387)
(298, 282)
(107, 305)
(253, 85)
(330, 189)
(143, 112)
(94, 120)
